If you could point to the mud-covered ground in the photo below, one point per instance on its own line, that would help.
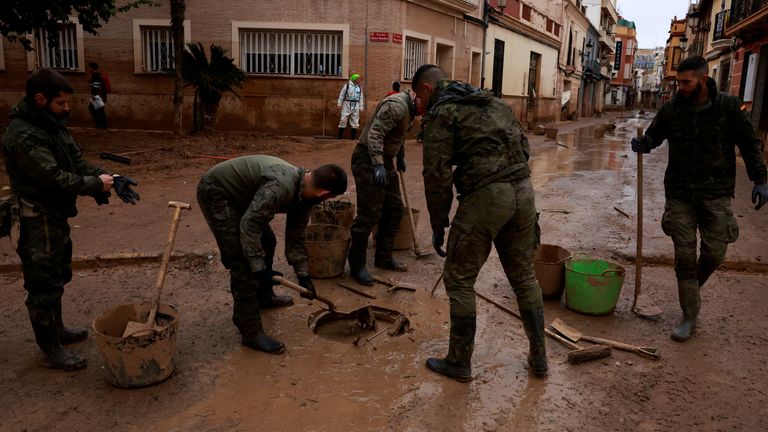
(715, 382)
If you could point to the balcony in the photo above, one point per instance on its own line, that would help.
(746, 12)
(720, 41)
(466, 6)
(592, 69)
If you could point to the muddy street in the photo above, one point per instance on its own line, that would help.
(718, 381)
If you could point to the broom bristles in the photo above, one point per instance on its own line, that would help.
(592, 353)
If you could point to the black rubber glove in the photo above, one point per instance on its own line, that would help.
(401, 161)
(264, 277)
(642, 145)
(438, 239)
(306, 282)
(102, 198)
(380, 175)
(123, 188)
(760, 195)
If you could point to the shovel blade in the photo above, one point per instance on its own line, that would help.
(646, 309)
(564, 329)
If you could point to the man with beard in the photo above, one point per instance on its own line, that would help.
(703, 127)
(239, 198)
(47, 173)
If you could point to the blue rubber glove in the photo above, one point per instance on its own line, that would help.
(438, 239)
(760, 195)
(641, 145)
(380, 175)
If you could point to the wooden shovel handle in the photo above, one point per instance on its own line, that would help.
(408, 210)
(301, 290)
(639, 249)
(647, 352)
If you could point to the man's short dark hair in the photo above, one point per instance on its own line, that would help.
(49, 83)
(93, 65)
(427, 73)
(396, 86)
(330, 177)
(696, 63)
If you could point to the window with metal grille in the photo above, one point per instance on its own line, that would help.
(157, 49)
(59, 55)
(291, 53)
(415, 56)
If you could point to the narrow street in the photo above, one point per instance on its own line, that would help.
(715, 382)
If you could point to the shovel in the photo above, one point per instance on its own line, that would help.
(301, 290)
(416, 249)
(134, 328)
(575, 335)
(642, 306)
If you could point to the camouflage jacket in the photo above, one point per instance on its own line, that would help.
(45, 165)
(261, 187)
(702, 145)
(475, 132)
(384, 135)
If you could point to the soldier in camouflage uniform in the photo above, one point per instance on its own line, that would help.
(477, 133)
(47, 173)
(378, 187)
(703, 127)
(239, 198)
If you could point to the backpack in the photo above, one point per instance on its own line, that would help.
(107, 83)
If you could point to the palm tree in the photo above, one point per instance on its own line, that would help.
(211, 79)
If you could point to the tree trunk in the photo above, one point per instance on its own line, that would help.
(178, 8)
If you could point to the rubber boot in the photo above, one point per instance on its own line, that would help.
(357, 257)
(353, 134)
(705, 270)
(458, 363)
(67, 335)
(533, 322)
(47, 338)
(690, 302)
(269, 300)
(385, 242)
(341, 133)
(254, 337)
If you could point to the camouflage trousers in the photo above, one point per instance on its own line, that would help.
(501, 215)
(223, 218)
(45, 250)
(376, 205)
(716, 225)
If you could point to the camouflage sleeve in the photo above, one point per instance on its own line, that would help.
(525, 145)
(438, 154)
(386, 119)
(748, 143)
(266, 203)
(82, 167)
(295, 229)
(657, 131)
(39, 163)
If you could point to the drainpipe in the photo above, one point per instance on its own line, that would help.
(486, 16)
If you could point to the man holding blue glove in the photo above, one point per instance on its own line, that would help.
(703, 127)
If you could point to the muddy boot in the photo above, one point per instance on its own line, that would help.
(533, 322)
(384, 245)
(390, 264)
(353, 134)
(357, 257)
(458, 363)
(253, 336)
(67, 335)
(47, 337)
(341, 133)
(690, 302)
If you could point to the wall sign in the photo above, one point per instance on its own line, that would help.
(619, 54)
(397, 38)
(379, 36)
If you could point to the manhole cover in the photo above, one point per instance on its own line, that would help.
(359, 326)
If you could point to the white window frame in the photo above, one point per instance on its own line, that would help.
(238, 26)
(452, 44)
(33, 61)
(138, 51)
(429, 55)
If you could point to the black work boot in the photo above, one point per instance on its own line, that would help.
(269, 300)
(67, 335)
(353, 134)
(357, 257)
(341, 133)
(690, 302)
(254, 337)
(390, 263)
(533, 322)
(385, 243)
(47, 338)
(458, 363)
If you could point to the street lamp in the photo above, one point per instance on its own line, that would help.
(693, 20)
(684, 43)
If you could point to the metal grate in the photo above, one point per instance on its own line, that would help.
(157, 47)
(291, 53)
(62, 55)
(415, 56)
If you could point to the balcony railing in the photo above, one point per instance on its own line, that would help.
(743, 9)
(720, 19)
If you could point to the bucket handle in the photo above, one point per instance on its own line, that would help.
(617, 272)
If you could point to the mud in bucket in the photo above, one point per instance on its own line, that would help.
(327, 247)
(549, 265)
(592, 286)
(136, 361)
(340, 212)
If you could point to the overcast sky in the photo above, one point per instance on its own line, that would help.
(652, 18)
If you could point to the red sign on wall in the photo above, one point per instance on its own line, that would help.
(379, 36)
(397, 38)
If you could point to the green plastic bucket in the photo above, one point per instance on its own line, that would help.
(592, 286)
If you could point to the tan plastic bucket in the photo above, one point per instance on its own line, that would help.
(549, 264)
(403, 240)
(136, 361)
(340, 212)
(327, 247)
